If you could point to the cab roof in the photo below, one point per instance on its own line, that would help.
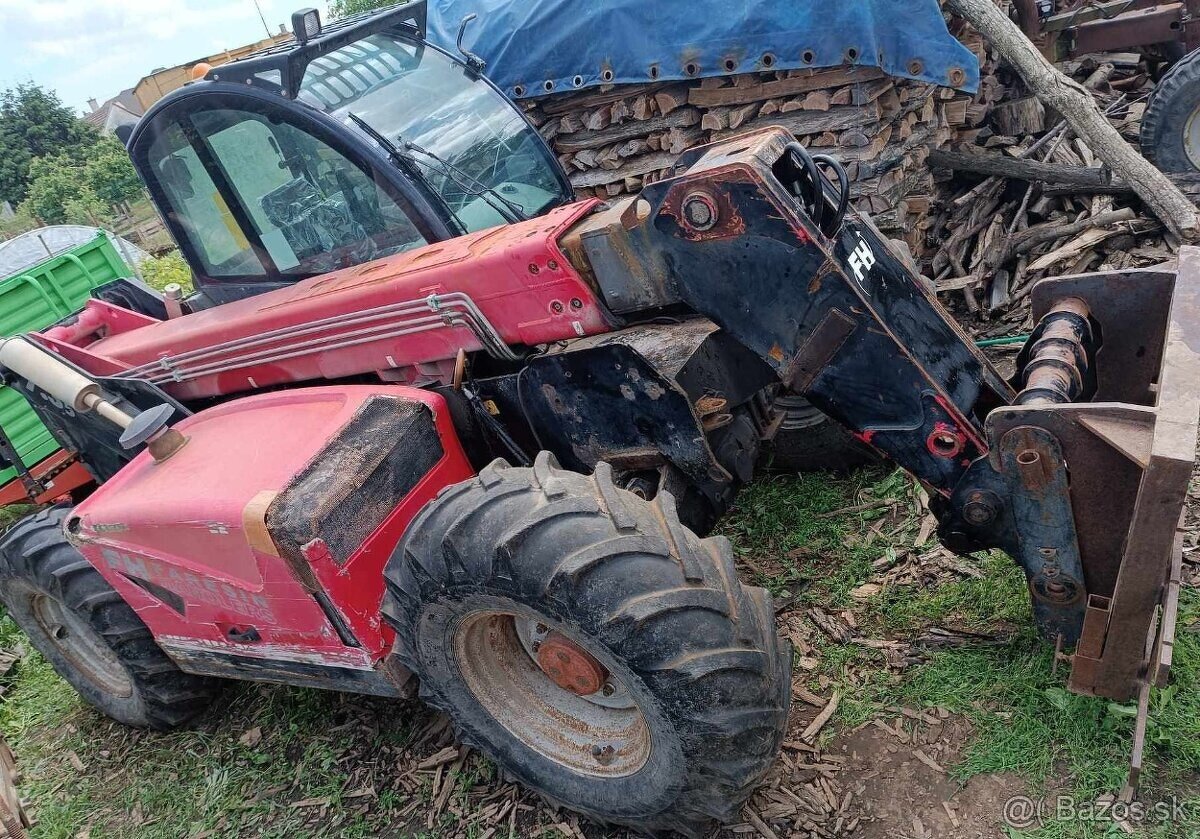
(280, 68)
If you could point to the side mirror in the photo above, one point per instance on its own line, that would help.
(177, 176)
(474, 63)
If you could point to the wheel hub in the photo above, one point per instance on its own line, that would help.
(551, 693)
(80, 644)
(570, 666)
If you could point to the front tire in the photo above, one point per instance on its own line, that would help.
(88, 633)
(1170, 136)
(694, 681)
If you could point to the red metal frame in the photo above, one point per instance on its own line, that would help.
(193, 525)
(517, 276)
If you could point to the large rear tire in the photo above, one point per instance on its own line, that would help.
(1171, 126)
(88, 633)
(504, 572)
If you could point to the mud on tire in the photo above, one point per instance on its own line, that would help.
(88, 633)
(683, 643)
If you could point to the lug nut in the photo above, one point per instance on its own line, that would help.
(603, 754)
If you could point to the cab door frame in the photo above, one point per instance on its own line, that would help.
(426, 210)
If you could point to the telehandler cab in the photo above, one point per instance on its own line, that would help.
(428, 419)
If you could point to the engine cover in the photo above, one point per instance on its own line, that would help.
(259, 546)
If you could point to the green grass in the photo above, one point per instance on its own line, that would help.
(1024, 720)
(316, 745)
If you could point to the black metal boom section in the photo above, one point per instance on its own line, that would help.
(814, 291)
(751, 234)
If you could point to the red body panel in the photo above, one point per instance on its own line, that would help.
(516, 276)
(181, 525)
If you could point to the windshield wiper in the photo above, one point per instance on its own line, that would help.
(510, 211)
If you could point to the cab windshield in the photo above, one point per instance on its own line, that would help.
(462, 134)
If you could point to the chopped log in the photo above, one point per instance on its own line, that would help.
(679, 140)
(570, 123)
(1002, 166)
(1020, 117)
(862, 94)
(595, 139)
(715, 119)
(585, 159)
(1078, 107)
(817, 122)
(621, 111)
(771, 106)
(671, 98)
(633, 166)
(1100, 76)
(818, 100)
(633, 147)
(576, 102)
(955, 112)
(642, 107)
(598, 119)
(742, 114)
(842, 97)
(784, 87)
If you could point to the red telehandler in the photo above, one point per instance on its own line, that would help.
(429, 420)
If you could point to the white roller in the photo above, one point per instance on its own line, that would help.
(65, 384)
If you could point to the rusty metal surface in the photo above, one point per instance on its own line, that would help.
(498, 654)
(1055, 362)
(1047, 547)
(570, 666)
(1130, 463)
(1143, 27)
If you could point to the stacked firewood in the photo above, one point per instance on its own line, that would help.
(615, 139)
(1025, 198)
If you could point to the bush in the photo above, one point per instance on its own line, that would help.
(164, 270)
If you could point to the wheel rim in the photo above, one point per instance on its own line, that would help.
(1191, 137)
(603, 734)
(81, 645)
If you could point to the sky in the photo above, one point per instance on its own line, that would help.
(96, 48)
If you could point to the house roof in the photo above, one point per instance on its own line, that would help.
(120, 110)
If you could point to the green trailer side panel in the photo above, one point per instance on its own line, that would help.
(33, 300)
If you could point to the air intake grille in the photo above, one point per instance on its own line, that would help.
(347, 490)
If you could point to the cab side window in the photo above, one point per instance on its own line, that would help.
(256, 195)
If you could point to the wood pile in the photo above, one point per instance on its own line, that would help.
(615, 139)
(1024, 198)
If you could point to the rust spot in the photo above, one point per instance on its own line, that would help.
(570, 666)
(776, 353)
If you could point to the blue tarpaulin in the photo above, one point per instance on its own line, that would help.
(534, 47)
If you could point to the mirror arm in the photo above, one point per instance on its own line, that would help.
(474, 63)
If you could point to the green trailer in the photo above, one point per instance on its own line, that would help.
(34, 299)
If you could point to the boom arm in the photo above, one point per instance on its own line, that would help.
(741, 236)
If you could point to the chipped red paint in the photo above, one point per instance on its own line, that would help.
(945, 441)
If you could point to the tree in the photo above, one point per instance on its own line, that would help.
(345, 8)
(110, 173)
(34, 123)
(56, 182)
